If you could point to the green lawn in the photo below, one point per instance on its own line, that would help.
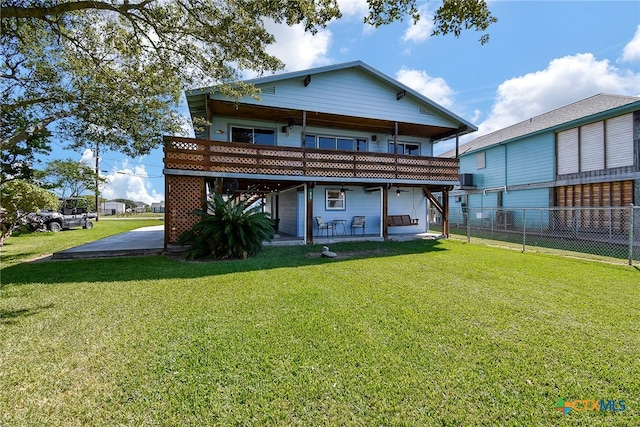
(412, 333)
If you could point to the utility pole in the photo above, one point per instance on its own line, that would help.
(97, 182)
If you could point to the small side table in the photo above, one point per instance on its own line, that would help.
(343, 224)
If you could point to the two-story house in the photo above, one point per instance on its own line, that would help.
(340, 149)
(582, 155)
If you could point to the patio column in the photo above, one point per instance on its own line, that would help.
(309, 209)
(445, 212)
(385, 212)
(207, 109)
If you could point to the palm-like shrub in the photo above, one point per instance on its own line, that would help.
(228, 229)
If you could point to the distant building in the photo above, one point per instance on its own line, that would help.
(112, 208)
(157, 207)
(141, 207)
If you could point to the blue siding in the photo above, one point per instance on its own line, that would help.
(357, 202)
(410, 202)
(538, 197)
(492, 175)
(351, 92)
(531, 160)
(527, 161)
(534, 198)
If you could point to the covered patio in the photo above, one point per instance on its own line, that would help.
(195, 168)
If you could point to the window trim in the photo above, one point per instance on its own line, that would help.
(356, 142)
(404, 144)
(253, 129)
(342, 197)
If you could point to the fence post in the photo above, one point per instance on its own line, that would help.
(631, 215)
(610, 224)
(524, 229)
(468, 226)
(541, 223)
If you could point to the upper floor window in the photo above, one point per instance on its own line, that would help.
(310, 141)
(361, 144)
(408, 148)
(253, 135)
(335, 143)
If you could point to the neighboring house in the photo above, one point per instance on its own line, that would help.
(141, 207)
(334, 142)
(586, 154)
(112, 208)
(157, 207)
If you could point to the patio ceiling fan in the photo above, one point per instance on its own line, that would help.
(342, 189)
(398, 191)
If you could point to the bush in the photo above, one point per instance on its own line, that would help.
(228, 229)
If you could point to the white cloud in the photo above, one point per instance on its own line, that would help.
(565, 80)
(434, 88)
(353, 8)
(130, 182)
(422, 29)
(631, 51)
(298, 49)
(88, 159)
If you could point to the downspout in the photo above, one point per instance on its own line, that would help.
(304, 129)
(303, 144)
(505, 168)
(395, 148)
(395, 139)
(381, 210)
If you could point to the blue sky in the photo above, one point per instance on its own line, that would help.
(541, 55)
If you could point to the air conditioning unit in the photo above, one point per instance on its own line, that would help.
(466, 180)
(504, 218)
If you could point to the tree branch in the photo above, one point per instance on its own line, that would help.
(23, 134)
(62, 8)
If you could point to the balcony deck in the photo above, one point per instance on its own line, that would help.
(215, 158)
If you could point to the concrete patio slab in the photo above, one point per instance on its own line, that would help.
(141, 241)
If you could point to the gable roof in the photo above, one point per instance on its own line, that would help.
(195, 103)
(561, 116)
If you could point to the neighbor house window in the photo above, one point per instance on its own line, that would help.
(335, 200)
(481, 160)
(408, 148)
(253, 135)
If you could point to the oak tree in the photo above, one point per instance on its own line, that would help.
(112, 71)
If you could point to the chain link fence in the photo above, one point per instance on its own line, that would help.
(612, 232)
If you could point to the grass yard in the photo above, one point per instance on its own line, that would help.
(412, 333)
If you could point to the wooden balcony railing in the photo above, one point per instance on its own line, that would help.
(253, 159)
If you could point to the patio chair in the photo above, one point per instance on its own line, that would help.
(322, 225)
(357, 222)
